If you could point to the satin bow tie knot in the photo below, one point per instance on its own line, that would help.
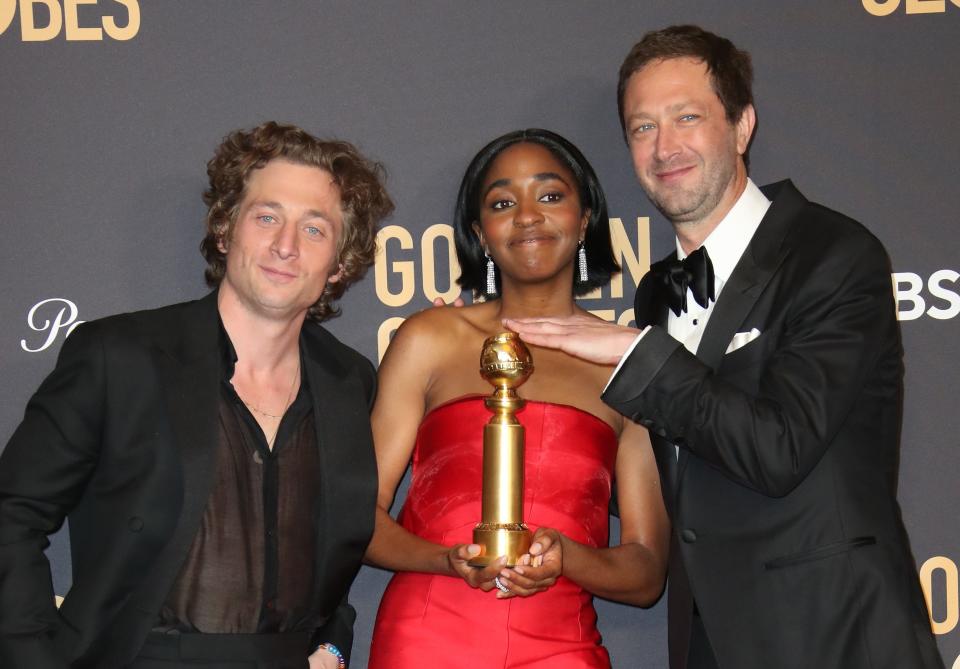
(673, 277)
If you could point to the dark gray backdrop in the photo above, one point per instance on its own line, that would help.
(103, 145)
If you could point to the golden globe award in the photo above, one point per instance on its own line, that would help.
(505, 363)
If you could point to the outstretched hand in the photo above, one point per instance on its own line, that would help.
(438, 302)
(581, 336)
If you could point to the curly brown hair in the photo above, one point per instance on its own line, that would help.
(363, 199)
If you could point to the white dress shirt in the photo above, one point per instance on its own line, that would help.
(724, 245)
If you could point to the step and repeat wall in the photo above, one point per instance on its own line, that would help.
(111, 108)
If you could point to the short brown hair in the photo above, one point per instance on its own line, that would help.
(363, 198)
(730, 69)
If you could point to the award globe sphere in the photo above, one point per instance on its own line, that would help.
(505, 361)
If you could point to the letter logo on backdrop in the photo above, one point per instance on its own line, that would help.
(44, 20)
(50, 318)
(887, 7)
(941, 588)
(938, 297)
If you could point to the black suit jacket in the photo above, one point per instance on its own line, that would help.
(121, 438)
(787, 533)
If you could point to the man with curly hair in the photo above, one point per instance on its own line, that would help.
(214, 457)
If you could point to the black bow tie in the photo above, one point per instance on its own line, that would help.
(672, 277)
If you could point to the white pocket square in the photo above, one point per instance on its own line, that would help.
(741, 339)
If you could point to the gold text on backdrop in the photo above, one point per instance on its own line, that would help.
(44, 20)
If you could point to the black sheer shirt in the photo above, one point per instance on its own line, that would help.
(251, 566)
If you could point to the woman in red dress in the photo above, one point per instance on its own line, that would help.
(531, 205)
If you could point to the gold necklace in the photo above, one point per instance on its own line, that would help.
(286, 405)
(256, 410)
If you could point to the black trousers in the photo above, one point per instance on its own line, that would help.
(224, 651)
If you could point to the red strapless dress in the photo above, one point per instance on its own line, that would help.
(439, 621)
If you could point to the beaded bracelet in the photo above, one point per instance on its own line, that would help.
(333, 650)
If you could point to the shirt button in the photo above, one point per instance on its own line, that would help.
(688, 536)
(257, 457)
(135, 524)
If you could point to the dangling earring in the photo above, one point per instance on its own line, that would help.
(582, 261)
(491, 276)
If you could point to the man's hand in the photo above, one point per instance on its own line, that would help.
(581, 336)
(438, 302)
(323, 659)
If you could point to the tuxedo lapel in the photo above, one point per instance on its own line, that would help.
(347, 467)
(739, 295)
(759, 262)
(187, 360)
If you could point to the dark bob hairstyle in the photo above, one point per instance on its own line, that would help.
(601, 264)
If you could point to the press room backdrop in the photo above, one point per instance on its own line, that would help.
(110, 109)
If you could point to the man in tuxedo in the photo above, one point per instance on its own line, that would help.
(214, 458)
(768, 371)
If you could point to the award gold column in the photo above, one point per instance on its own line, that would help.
(506, 363)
